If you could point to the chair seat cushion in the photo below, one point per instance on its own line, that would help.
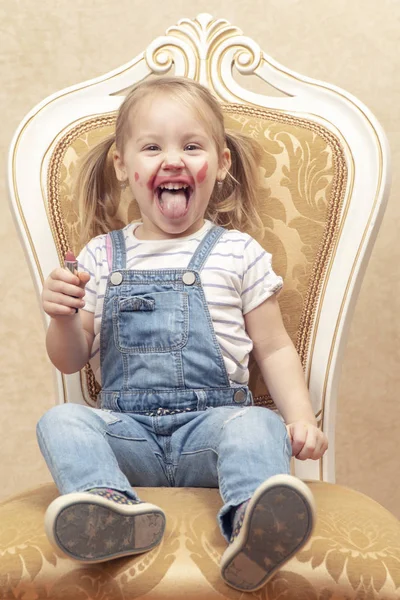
(354, 553)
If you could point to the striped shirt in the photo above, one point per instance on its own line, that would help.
(237, 277)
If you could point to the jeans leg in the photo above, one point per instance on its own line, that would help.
(86, 448)
(237, 448)
(254, 446)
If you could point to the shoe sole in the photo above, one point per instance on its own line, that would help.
(92, 529)
(278, 522)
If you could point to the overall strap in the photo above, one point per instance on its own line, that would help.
(118, 250)
(205, 247)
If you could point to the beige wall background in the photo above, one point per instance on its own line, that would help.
(47, 46)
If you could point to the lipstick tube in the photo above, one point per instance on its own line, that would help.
(71, 264)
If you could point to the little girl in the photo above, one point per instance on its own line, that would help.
(173, 306)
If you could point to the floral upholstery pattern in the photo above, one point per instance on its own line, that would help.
(304, 172)
(354, 553)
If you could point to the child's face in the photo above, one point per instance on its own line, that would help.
(171, 163)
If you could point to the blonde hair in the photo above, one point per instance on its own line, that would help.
(233, 204)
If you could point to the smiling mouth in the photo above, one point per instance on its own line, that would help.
(173, 199)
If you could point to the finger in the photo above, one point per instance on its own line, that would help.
(67, 288)
(84, 278)
(321, 446)
(61, 274)
(58, 299)
(309, 444)
(57, 310)
(298, 437)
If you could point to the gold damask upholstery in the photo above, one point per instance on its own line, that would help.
(304, 172)
(354, 553)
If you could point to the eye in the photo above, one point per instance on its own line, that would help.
(191, 147)
(151, 148)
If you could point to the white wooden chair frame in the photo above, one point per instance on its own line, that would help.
(210, 50)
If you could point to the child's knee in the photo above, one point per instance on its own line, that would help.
(58, 417)
(253, 423)
(256, 416)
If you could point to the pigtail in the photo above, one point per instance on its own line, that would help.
(235, 203)
(97, 191)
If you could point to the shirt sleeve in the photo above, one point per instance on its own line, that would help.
(93, 260)
(259, 281)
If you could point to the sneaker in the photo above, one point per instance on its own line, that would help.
(102, 524)
(277, 523)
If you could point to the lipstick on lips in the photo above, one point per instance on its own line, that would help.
(71, 264)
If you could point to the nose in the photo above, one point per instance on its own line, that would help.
(172, 160)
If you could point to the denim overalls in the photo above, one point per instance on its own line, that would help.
(158, 351)
(169, 416)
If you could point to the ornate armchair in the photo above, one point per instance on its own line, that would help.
(326, 173)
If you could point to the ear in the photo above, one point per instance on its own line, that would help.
(225, 164)
(119, 166)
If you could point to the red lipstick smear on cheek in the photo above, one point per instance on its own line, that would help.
(150, 183)
(136, 176)
(201, 175)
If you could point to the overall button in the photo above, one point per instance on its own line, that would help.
(239, 396)
(189, 278)
(116, 278)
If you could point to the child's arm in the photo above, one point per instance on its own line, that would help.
(70, 335)
(283, 374)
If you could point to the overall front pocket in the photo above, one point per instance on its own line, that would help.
(154, 322)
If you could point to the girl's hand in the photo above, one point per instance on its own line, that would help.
(307, 440)
(63, 292)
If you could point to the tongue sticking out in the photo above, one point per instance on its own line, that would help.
(173, 204)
